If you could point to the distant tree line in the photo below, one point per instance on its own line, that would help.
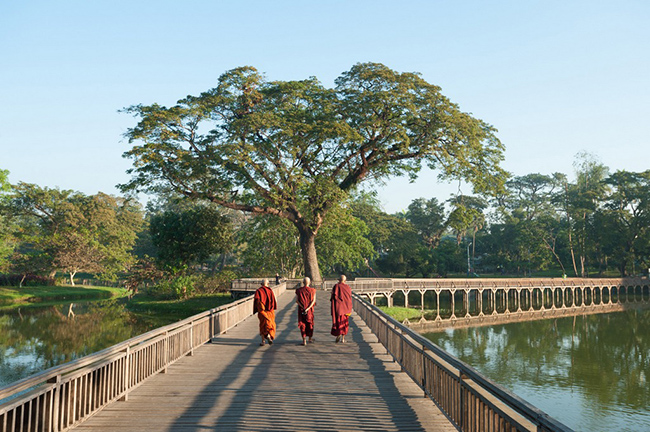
(595, 225)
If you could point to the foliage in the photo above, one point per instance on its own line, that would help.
(142, 273)
(68, 231)
(186, 237)
(428, 218)
(7, 241)
(179, 287)
(273, 246)
(270, 245)
(215, 283)
(450, 258)
(295, 149)
(342, 245)
(25, 280)
(381, 226)
(627, 213)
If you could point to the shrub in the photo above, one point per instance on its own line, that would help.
(180, 287)
(27, 280)
(219, 282)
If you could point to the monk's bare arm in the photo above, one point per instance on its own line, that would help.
(313, 302)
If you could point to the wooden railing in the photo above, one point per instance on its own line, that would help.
(63, 396)
(472, 401)
(251, 284)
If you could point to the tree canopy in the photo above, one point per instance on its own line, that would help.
(69, 231)
(295, 149)
(186, 237)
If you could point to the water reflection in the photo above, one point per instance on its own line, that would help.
(37, 339)
(589, 372)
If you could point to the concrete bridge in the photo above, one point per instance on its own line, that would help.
(482, 302)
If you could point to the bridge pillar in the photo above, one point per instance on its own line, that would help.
(453, 304)
(422, 291)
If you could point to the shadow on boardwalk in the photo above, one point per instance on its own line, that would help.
(235, 384)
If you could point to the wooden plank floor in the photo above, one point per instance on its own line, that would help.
(233, 384)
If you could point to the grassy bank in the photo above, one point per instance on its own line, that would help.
(402, 313)
(36, 296)
(176, 309)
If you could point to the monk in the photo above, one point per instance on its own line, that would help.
(264, 305)
(341, 302)
(306, 299)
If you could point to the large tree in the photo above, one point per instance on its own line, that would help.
(627, 214)
(296, 149)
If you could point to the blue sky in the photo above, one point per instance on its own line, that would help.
(554, 77)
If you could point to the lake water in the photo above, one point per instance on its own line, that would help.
(36, 339)
(589, 372)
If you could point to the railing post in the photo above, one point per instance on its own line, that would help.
(401, 348)
(166, 353)
(191, 353)
(424, 371)
(56, 396)
(211, 324)
(127, 370)
(463, 414)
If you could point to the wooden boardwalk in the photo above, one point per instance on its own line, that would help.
(233, 384)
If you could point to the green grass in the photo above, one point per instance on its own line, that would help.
(177, 309)
(15, 297)
(141, 304)
(402, 313)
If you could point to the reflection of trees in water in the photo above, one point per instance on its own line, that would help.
(608, 355)
(37, 339)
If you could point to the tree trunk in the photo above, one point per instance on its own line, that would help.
(570, 228)
(309, 257)
(72, 273)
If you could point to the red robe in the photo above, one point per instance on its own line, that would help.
(341, 303)
(264, 305)
(305, 295)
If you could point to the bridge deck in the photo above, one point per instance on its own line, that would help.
(235, 384)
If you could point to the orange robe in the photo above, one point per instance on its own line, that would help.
(264, 305)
